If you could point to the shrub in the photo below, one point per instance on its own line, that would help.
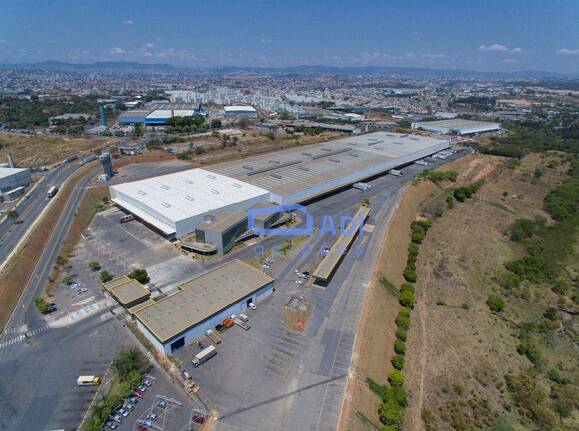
(550, 313)
(105, 276)
(392, 409)
(450, 202)
(376, 387)
(523, 228)
(508, 280)
(397, 361)
(532, 268)
(413, 250)
(496, 303)
(400, 347)
(68, 279)
(396, 377)
(401, 334)
(418, 236)
(403, 318)
(407, 299)
(94, 265)
(140, 275)
(410, 272)
(42, 305)
(530, 351)
(407, 287)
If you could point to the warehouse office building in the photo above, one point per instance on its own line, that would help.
(459, 127)
(176, 204)
(240, 111)
(201, 304)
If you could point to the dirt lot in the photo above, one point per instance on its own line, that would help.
(458, 352)
(44, 150)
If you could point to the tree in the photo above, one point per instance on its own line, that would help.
(400, 347)
(127, 361)
(140, 275)
(551, 313)
(94, 265)
(12, 214)
(42, 305)
(105, 276)
(138, 129)
(407, 299)
(496, 303)
(396, 377)
(68, 279)
(215, 123)
(397, 361)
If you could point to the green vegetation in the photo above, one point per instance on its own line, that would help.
(530, 351)
(186, 124)
(388, 285)
(396, 377)
(439, 176)
(94, 265)
(42, 306)
(398, 362)
(403, 318)
(140, 275)
(12, 214)
(29, 113)
(527, 137)
(496, 303)
(128, 368)
(525, 228)
(392, 410)
(105, 276)
(68, 279)
(465, 192)
(376, 387)
(407, 296)
(400, 347)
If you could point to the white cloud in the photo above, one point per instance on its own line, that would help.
(410, 56)
(117, 51)
(516, 51)
(567, 51)
(430, 56)
(149, 45)
(497, 47)
(129, 22)
(3, 40)
(510, 61)
(265, 40)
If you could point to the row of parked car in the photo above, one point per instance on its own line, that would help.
(124, 410)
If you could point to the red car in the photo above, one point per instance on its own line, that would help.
(143, 428)
(198, 419)
(138, 393)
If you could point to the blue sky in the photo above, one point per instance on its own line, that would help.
(468, 34)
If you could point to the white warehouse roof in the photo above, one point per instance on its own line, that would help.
(239, 108)
(175, 203)
(458, 126)
(8, 172)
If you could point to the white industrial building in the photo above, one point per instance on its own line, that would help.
(13, 182)
(240, 111)
(200, 304)
(458, 127)
(176, 203)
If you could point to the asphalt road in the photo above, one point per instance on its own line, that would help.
(30, 208)
(26, 313)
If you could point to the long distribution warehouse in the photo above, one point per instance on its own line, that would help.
(176, 203)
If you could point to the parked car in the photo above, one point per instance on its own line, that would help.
(52, 308)
(152, 417)
(252, 306)
(117, 418)
(198, 419)
(138, 393)
(162, 404)
(111, 425)
(147, 382)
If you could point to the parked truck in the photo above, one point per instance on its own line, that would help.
(213, 336)
(362, 186)
(395, 172)
(241, 324)
(204, 355)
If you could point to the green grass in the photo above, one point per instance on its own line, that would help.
(502, 207)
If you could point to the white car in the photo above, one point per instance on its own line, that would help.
(252, 306)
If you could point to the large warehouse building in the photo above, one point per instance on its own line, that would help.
(156, 114)
(176, 203)
(459, 127)
(201, 304)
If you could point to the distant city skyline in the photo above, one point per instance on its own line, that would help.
(448, 34)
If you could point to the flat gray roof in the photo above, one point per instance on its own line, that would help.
(459, 124)
(328, 264)
(200, 298)
(289, 171)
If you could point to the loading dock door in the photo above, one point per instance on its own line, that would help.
(175, 345)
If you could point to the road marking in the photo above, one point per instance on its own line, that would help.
(93, 334)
